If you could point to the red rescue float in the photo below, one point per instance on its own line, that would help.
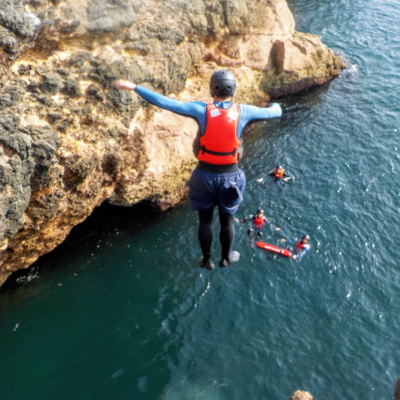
(275, 249)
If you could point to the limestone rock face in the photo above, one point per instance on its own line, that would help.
(69, 140)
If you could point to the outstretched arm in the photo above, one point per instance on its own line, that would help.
(244, 219)
(273, 226)
(250, 114)
(261, 113)
(288, 241)
(193, 109)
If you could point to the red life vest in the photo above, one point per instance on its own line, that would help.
(300, 245)
(258, 222)
(279, 175)
(220, 143)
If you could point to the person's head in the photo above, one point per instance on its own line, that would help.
(260, 213)
(279, 169)
(222, 84)
(305, 239)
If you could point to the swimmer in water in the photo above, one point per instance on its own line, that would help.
(258, 223)
(279, 177)
(279, 174)
(301, 248)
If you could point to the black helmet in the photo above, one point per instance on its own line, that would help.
(279, 167)
(305, 237)
(222, 83)
(260, 211)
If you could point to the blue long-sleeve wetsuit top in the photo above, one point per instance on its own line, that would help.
(198, 110)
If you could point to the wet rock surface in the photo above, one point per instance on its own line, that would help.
(69, 140)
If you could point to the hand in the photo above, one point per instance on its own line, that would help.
(277, 229)
(294, 256)
(283, 240)
(121, 84)
(237, 220)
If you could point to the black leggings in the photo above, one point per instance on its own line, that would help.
(226, 236)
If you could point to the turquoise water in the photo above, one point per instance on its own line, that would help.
(121, 311)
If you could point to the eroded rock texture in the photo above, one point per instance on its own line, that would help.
(69, 141)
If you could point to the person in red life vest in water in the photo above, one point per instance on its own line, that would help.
(217, 180)
(301, 248)
(279, 174)
(258, 223)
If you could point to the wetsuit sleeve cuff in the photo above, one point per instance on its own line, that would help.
(275, 110)
(138, 88)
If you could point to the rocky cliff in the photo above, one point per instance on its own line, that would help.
(69, 141)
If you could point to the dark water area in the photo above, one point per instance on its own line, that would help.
(122, 311)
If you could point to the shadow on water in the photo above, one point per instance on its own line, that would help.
(105, 222)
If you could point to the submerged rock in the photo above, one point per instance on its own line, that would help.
(69, 140)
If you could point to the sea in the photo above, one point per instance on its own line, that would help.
(121, 309)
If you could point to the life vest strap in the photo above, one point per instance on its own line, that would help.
(218, 153)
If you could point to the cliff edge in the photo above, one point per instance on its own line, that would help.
(69, 140)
